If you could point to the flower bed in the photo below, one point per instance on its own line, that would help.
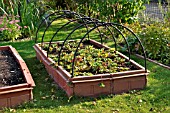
(13, 94)
(105, 71)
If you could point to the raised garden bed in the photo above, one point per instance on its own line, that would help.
(131, 77)
(16, 83)
(89, 68)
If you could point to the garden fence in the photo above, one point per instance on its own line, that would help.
(156, 11)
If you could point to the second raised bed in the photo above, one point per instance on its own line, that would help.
(16, 94)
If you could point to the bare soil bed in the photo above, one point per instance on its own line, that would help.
(10, 72)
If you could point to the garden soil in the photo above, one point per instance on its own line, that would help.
(10, 72)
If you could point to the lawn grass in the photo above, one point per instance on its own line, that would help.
(48, 98)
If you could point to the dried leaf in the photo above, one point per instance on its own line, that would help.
(43, 98)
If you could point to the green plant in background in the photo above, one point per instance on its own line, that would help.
(107, 10)
(9, 28)
(121, 11)
(8, 7)
(30, 16)
(165, 9)
(46, 4)
(30, 13)
(168, 11)
(155, 38)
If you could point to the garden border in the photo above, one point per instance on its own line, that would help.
(154, 61)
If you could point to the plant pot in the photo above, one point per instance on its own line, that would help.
(114, 83)
(11, 96)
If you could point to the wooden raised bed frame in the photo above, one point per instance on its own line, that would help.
(11, 96)
(115, 83)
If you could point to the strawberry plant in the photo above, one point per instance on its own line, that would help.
(89, 60)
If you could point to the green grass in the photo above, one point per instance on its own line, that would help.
(48, 98)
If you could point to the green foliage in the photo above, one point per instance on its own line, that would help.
(120, 11)
(102, 84)
(7, 7)
(89, 60)
(30, 13)
(9, 28)
(167, 17)
(48, 3)
(30, 16)
(155, 38)
(164, 7)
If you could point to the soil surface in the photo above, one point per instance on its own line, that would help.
(10, 72)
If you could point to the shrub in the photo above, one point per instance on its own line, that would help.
(155, 38)
(108, 10)
(121, 11)
(9, 28)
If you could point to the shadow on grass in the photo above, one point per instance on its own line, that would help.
(158, 89)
